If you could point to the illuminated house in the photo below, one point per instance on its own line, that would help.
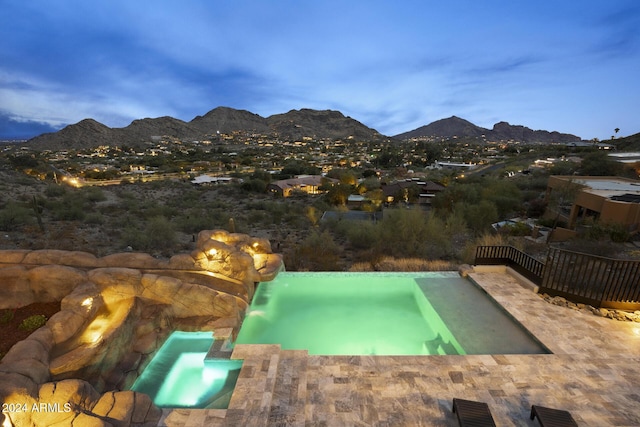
(309, 184)
(427, 190)
(605, 199)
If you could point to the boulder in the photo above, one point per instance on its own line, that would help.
(28, 349)
(65, 324)
(22, 404)
(15, 291)
(34, 369)
(44, 336)
(69, 396)
(60, 257)
(130, 260)
(161, 289)
(85, 300)
(117, 407)
(181, 261)
(51, 283)
(121, 283)
(16, 386)
(14, 256)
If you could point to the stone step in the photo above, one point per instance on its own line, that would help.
(290, 392)
(251, 400)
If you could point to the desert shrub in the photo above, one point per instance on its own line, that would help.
(127, 195)
(598, 231)
(94, 218)
(54, 190)
(517, 229)
(318, 252)
(196, 220)
(154, 209)
(406, 233)
(93, 194)
(14, 215)
(34, 322)
(68, 212)
(618, 233)
(255, 185)
(437, 238)
(158, 235)
(257, 217)
(6, 316)
(401, 232)
(480, 216)
(536, 207)
(161, 232)
(361, 235)
(550, 223)
(276, 212)
(404, 264)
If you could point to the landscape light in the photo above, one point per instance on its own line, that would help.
(87, 302)
(213, 252)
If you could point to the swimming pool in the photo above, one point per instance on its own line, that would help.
(337, 313)
(181, 376)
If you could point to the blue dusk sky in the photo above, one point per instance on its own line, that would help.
(568, 66)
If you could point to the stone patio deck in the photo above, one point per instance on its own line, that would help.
(594, 372)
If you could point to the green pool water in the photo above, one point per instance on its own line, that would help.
(337, 313)
(180, 376)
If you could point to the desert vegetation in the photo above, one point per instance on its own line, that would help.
(39, 210)
(163, 217)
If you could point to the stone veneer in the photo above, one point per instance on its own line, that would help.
(115, 313)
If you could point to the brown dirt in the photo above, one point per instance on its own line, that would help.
(10, 332)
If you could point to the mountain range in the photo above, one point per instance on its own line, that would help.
(502, 131)
(292, 125)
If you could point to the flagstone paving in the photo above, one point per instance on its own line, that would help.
(594, 372)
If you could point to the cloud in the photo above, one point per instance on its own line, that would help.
(391, 66)
(14, 128)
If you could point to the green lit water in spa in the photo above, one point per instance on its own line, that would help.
(180, 375)
(381, 314)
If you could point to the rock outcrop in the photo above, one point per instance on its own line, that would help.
(115, 313)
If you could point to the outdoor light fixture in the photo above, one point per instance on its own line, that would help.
(213, 252)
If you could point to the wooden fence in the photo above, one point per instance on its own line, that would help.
(589, 279)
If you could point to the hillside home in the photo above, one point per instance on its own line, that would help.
(427, 190)
(211, 180)
(606, 199)
(309, 184)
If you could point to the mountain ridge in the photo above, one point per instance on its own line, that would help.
(292, 125)
(502, 131)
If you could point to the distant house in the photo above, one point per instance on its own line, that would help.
(309, 184)
(210, 180)
(606, 199)
(453, 166)
(427, 190)
(355, 201)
